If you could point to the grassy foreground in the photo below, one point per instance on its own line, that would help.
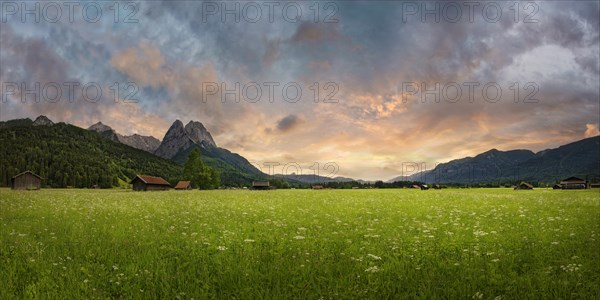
(300, 244)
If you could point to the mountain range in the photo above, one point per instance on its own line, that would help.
(65, 155)
(146, 143)
(178, 143)
(112, 152)
(580, 158)
(71, 156)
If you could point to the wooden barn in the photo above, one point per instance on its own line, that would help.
(183, 185)
(149, 183)
(524, 186)
(556, 187)
(260, 185)
(572, 183)
(26, 181)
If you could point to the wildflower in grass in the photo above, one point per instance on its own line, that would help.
(299, 237)
(554, 243)
(495, 260)
(115, 268)
(249, 241)
(373, 269)
(477, 295)
(571, 267)
(375, 257)
(222, 248)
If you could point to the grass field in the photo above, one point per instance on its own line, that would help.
(300, 244)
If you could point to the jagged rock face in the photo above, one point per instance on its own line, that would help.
(146, 143)
(198, 133)
(105, 131)
(99, 127)
(42, 121)
(180, 138)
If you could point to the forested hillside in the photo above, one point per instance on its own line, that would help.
(66, 155)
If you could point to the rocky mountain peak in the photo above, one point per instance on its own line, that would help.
(198, 133)
(180, 138)
(146, 143)
(99, 127)
(42, 121)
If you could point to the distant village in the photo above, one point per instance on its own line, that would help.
(28, 180)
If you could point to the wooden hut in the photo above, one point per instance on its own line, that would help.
(524, 186)
(26, 181)
(149, 183)
(573, 183)
(556, 187)
(317, 187)
(260, 185)
(183, 185)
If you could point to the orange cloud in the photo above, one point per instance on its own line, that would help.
(591, 130)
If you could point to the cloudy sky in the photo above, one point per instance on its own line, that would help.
(504, 76)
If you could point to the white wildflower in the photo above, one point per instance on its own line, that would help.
(375, 257)
(373, 269)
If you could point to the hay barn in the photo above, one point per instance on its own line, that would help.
(573, 183)
(26, 181)
(183, 185)
(260, 185)
(524, 186)
(149, 183)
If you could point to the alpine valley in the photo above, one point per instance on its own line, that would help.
(65, 155)
(69, 156)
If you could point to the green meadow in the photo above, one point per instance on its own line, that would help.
(300, 244)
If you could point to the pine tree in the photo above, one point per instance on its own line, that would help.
(200, 175)
(191, 169)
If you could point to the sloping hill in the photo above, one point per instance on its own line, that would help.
(235, 170)
(581, 158)
(66, 155)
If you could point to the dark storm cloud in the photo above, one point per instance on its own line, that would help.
(288, 123)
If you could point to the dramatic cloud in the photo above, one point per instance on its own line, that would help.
(591, 130)
(288, 123)
(378, 85)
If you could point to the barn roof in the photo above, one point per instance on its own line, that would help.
(526, 184)
(182, 185)
(573, 179)
(151, 180)
(23, 173)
